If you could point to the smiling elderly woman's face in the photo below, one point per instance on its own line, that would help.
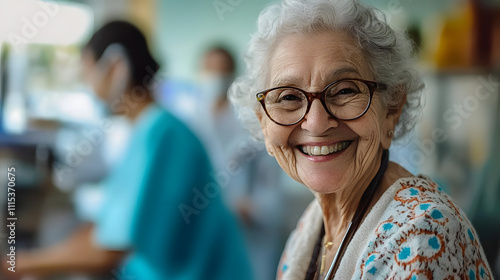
(311, 62)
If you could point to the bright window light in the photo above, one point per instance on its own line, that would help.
(44, 22)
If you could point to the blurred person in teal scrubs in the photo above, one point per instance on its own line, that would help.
(162, 215)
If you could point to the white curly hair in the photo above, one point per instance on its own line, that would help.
(389, 52)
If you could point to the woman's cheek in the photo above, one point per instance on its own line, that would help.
(276, 140)
(286, 159)
(369, 143)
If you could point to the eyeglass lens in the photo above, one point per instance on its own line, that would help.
(346, 99)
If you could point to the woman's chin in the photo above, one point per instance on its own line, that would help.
(320, 184)
(324, 185)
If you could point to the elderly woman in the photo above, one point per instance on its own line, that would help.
(329, 86)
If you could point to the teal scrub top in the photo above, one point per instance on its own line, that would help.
(162, 205)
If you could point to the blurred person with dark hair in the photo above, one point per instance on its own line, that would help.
(161, 216)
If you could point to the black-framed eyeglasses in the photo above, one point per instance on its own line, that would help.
(346, 99)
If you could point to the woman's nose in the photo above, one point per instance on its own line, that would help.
(318, 120)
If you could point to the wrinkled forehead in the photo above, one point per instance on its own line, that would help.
(316, 58)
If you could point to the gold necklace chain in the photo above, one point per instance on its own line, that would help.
(326, 245)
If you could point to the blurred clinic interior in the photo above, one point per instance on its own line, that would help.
(108, 183)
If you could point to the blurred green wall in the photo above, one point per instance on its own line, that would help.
(186, 28)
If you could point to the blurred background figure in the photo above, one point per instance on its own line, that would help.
(217, 73)
(253, 184)
(155, 220)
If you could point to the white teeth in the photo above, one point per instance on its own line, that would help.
(325, 150)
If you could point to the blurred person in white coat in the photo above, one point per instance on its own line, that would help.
(252, 181)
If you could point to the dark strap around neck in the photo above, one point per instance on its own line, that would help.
(367, 197)
(364, 203)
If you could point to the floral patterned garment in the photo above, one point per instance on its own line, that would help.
(413, 232)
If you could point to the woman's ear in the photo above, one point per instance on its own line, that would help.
(391, 120)
(395, 113)
(258, 113)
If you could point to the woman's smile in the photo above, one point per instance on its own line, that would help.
(323, 149)
(321, 152)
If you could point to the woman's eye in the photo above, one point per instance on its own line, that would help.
(345, 91)
(289, 95)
